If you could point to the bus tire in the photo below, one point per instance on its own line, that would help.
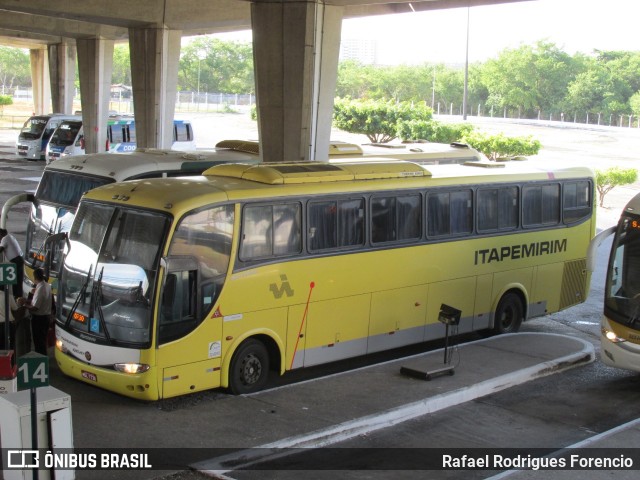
(249, 370)
(509, 314)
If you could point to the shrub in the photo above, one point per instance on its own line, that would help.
(378, 120)
(432, 131)
(500, 146)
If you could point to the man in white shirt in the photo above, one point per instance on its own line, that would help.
(13, 253)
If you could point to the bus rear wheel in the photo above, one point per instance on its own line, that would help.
(509, 314)
(249, 368)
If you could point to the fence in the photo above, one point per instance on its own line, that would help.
(195, 102)
(586, 118)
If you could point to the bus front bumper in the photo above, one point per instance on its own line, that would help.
(140, 386)
(617, 352)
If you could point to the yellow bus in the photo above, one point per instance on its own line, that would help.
(620, 324)
(172, 286)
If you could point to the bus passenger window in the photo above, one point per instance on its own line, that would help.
(383, 219)
(395, 218)
(541, 204)
(323, 225)
(336, 223)
(450, 213)
(350, 223)
(497, 209)
(269, 230)
(576, 201)
(181, 132)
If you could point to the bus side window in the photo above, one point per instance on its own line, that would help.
(181, 132)
(576, 201)
(541, 204)
(395, 218)
(269, 230)
(336, 224)
(497, 209)
(178, 308)
(450, 213)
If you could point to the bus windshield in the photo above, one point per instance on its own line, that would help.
(622, 291)
(65, 134)
(108, 278)
(58, 195)
(33, 127)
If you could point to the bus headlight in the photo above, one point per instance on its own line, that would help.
(131, 367)
(60, 346)
(611, 336)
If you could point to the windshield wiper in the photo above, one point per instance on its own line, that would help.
(79, 298)
(96, 304)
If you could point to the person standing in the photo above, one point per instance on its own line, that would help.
(40, 308)
(13, 253)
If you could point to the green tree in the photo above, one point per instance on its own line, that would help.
(612, 177)
(121, 65)
(214, 65)
(15, 67)
(634, 103)
(528, 79)
(378, 120)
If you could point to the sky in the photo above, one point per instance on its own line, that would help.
(440, 35)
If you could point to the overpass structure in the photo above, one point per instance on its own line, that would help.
(295, 43)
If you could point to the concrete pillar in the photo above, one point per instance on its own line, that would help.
(40, 81)
(62, 71)
(155, 53)
(296, 47)
(95, 65)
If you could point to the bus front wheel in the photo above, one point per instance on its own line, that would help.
(249, 368)
(509, 314)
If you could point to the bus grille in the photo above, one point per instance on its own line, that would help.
(573, 283)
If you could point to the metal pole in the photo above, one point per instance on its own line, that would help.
(7, 318)
(34, 426)
(466, 72)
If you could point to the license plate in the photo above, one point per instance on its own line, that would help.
(89, 376)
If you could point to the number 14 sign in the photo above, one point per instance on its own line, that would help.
(33, 371)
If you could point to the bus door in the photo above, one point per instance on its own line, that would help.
(189, 344)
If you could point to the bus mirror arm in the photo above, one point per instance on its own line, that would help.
(164, 266)
(594, 244)
(49, 257)
(22, 197)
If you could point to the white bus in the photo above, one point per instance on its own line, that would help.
(64, 181)
(422, 153)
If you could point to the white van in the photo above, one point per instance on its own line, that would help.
(36, 132)
(67, 140)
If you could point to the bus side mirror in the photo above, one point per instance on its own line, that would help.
(51, 239)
